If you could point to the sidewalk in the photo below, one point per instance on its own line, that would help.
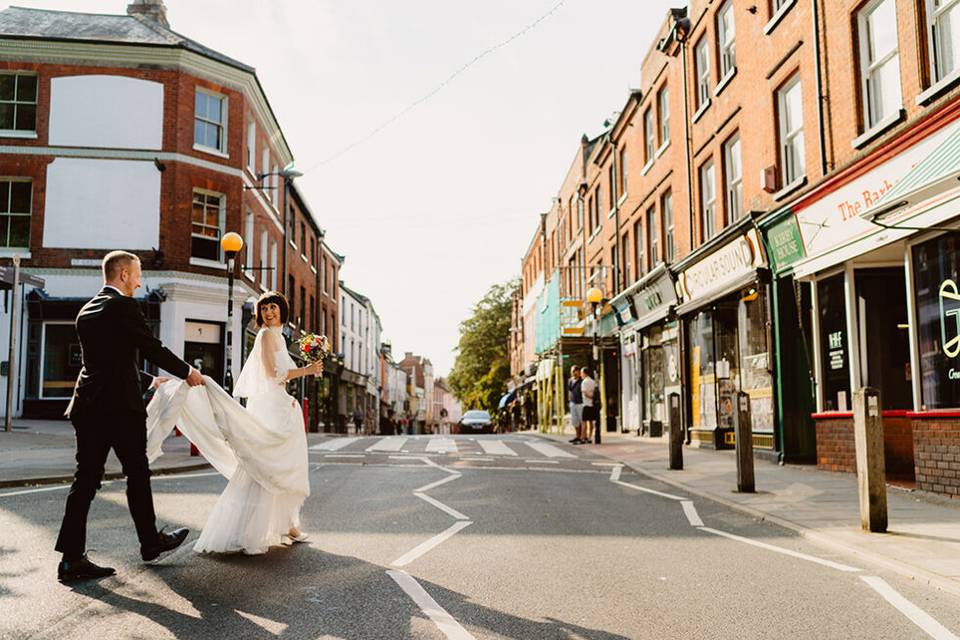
(42, 452)
(923, 539)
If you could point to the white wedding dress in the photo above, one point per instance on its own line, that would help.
(261, 449)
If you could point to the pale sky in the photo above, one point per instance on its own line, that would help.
(441, 204)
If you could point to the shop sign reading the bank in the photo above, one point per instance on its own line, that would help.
(721, 268)
(653, 300)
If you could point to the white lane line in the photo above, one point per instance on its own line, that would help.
(442, 445)
(444, 621)
(439, 505)
(691, 512)
(615, 473)
(334, 445)
(474, 458)
(390, 443)
(917, 615)
(434, 485)
(644, 489)
(431, 463)
(344, 455)
(37, 490)
(788, 552)
(538, 461)
(496, 448)
(426, 546)
(549, 450)
(606, 464)
(155, 478)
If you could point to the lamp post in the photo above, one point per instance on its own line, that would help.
(231, 243)
(594, 297)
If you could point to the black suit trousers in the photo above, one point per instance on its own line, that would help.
(126, 434)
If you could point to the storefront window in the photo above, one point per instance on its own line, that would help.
(755, 378)
(62, 360)
(884, 337)
(834, 350)
(703, 400)
(728, 363)
(936, 272)
(653, 376)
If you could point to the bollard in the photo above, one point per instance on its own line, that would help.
(744, 443)
(676, 435)
(871, 469)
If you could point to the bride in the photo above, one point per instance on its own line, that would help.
(262, 449)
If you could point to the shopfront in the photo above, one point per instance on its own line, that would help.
(650, 364)
(883, 274)
(724, 308)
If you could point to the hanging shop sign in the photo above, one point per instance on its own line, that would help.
(834, 219)
(784, 242)
(721, 269)
(654, 297)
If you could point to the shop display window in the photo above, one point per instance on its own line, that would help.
(62, 360)
(834, 347)
(703, 401)
(755, 376)
(936, 282)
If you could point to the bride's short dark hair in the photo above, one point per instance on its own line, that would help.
(275, 297)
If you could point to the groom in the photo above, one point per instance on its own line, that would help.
(107, 412)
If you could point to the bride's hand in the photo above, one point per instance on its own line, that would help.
(315, 369)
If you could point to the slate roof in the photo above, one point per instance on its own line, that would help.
(44, 24)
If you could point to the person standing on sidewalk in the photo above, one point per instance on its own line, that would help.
(588, 388)
(107, 412)
(576, 403)
(357, 420)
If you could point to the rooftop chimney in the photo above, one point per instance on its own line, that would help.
(153, 10)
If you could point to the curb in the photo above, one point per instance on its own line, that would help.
(824, 540)
(113, 475)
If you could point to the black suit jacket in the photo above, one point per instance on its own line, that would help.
(112, 329)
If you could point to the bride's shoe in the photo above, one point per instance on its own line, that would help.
(289, 540)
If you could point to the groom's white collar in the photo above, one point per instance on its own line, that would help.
(110, 286)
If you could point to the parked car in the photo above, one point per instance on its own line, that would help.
(475, 421)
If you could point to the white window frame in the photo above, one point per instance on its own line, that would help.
(224, 110)
(669, 242)
(733, 178)
(934, 25)
(264, 256)
(624, 172)
(702, 66)
(707, 177)
(7, 248)
(43, 353)
(873, 116)
(649, 136)
(14, 132)
(792, 159)
(273, 265)
(275, 187)
(252, 147)
(663, 112)
(221, 227)
(726, 40)
(653, 236)
(639, 248)
(248, 239)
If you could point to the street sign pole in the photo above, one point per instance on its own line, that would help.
(14, 329)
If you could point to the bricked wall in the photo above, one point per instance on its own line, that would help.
(836, 449)
(936, 444)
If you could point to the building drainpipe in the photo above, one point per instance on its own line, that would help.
(687, 141)
(820, 97)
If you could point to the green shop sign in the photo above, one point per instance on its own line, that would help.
(784, 244)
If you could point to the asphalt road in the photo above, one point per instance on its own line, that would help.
(507, 537)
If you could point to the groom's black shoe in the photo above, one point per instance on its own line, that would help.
(165, 542)
(82, 569)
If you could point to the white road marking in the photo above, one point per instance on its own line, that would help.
(390, 443)
(434, 485)
(444, 445)
(472, 458)
(606, 464)
(691, 512)
(344, 455)
(496, 448)
(537, 461)
(444, 621)
(439, 505)
(431, 463)
(644, 489)
(426, 546)
(788, 552)
(549, 450)
(615, 473)
(334, 444)
(36, 490)
(916, 615)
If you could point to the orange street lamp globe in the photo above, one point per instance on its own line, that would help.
(594, 295)
(231, 243)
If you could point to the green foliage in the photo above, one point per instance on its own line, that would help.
(482, 368)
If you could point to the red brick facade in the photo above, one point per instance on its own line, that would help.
(936, 443)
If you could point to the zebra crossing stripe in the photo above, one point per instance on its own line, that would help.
(549, 450)
(496, 448)
(446, 445)
(390, 443)
(334, 444)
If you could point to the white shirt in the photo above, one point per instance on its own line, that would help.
(110, 286)
(588, 387)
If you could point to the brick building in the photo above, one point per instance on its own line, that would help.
(778, 224)
(120, 133)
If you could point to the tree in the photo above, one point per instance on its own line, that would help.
(482, 368)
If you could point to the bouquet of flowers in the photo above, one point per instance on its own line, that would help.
(314, 348)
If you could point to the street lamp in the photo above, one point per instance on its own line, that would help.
(231, 243)
(594, 297)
